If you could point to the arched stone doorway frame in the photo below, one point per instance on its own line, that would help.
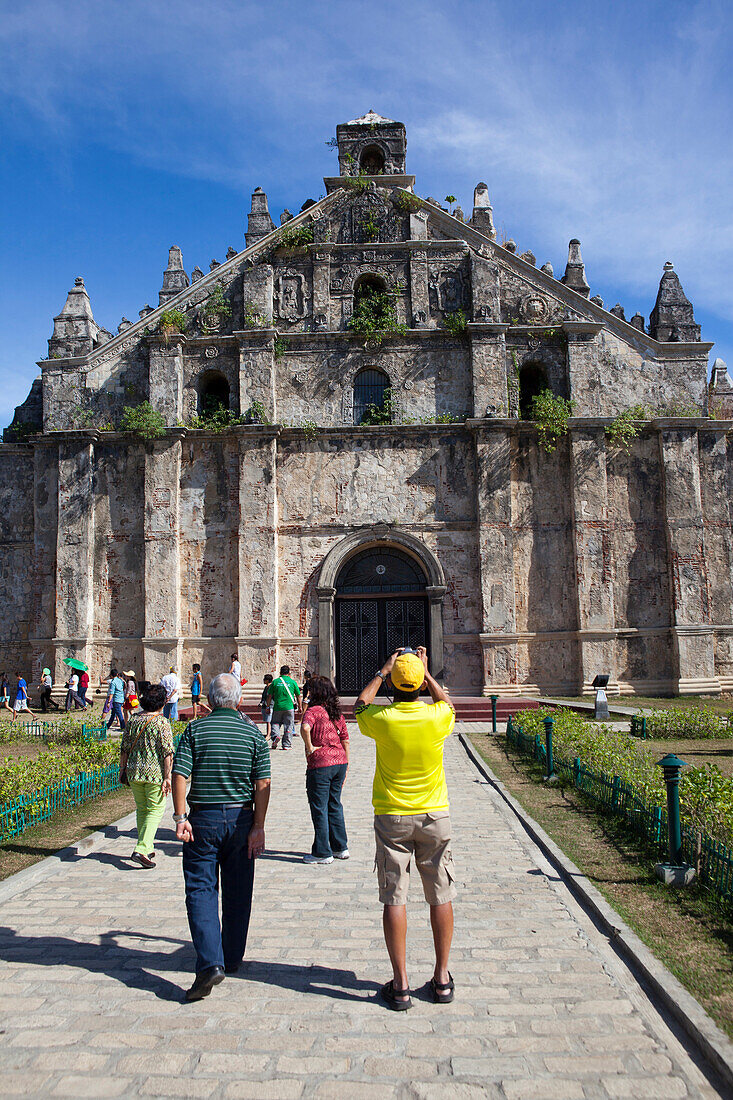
(348, 548)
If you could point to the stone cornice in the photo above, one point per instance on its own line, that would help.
(336, 183)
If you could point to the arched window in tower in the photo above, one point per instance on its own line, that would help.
(371, 160)
(213, 393)
(532, 381)
(372, 403)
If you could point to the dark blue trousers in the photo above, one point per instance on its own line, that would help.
(323, 787)
(219, 848)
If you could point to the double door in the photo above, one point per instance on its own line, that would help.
(368, 630)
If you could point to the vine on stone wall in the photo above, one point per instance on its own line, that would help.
(375, 314)
(551, 414)
(623, 430)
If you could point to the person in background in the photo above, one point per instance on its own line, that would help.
(5, 692)
(306, 687)
(116, 697)
(146, 757)
(266, 705)
(172, 685)
(72, 693)
(197, 684)
(46, 688)
(21, 698)
(326, 739)
(411, 818)
(84, 687)
(131, 698)
(285, 695)
(227, 760)
(235, 669)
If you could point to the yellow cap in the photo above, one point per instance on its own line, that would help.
(408, 672)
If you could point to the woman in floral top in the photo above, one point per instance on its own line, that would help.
(147, 753)
(327, 754)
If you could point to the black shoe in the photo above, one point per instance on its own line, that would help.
(205, 982)
(143, 860)
(232, 969)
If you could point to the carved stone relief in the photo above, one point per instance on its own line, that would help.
(290, 296)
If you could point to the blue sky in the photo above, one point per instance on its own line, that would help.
(132, 126)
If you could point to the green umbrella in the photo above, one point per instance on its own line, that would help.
(73, 663)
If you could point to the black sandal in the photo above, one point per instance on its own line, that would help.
(390, 997)
(442, 994)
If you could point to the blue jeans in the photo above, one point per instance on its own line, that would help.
(323, 787)
(116, 713)
(219, 845)
(170, 711)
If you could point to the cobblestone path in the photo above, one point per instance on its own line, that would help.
(93, 959)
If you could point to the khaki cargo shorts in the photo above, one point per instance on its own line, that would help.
(427, 838)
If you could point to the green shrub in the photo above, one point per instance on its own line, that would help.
(296, 236)
(375, 315)
(678, 722)
(551, 414)
(56, 764)
(172, 321)
(622, 431)
(456, 323)
(217, 302)
(252, 317)
(145, 421)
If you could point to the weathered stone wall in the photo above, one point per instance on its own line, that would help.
(16, 554)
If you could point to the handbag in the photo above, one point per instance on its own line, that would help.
(122, 777)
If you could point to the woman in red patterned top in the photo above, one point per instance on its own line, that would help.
(326, 742)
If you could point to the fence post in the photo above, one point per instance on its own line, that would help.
(576, 771)
(509, 729)
(615, 793)
(674, 872)
(549, 722)
(493, 713)
(657, 824)
(643, 728)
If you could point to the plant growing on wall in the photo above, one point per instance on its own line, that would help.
(369, 228)
(296, 236)
(252, 317)
(408, 203)
(380, 414)
(143, 420)
(623, 430)
(375, 314)
(256, 414)
(551, 415)
(172, 321)
(280, 346)
(456, 323)
(217, 303)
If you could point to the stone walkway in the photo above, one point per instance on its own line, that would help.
(93, 959)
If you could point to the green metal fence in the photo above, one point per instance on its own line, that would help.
(31, 809)
(21, 813)
(712, 859)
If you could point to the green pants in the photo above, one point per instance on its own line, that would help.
(150, 802)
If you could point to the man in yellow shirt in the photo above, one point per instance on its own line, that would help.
(411, 817)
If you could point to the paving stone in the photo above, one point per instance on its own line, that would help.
(543, 1007)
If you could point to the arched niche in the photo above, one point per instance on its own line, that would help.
(372, 160)
(371, 390)
(532, 381)
(213, 392)
(334, 569)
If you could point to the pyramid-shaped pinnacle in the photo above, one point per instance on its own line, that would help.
(482, 217)
(672, 319)
(175, 278)
(77, 302)
(574, 276)
(259, 222)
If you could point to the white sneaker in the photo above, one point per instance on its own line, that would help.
(342, 855)
(317, 859)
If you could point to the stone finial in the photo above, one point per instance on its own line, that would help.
(548, 270)
(74, 328)
(482, 218)
(214, 264)
(618, 311)
(145, 311)
(307, 205)
(175, 278)
(597, 300)
(672, 318)
(458, 213)
(286, 216)
(574, 276)
(231, 253)
(124, 323)
(196, 274)
(638, 321)
(510, 246)
(719, 378)
(259, 222)
(529, 257)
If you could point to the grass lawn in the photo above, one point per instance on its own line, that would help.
(64, 828)
(687, 930)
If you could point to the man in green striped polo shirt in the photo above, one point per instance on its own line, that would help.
(228, 761)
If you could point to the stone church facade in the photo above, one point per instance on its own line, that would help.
(306, 535)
